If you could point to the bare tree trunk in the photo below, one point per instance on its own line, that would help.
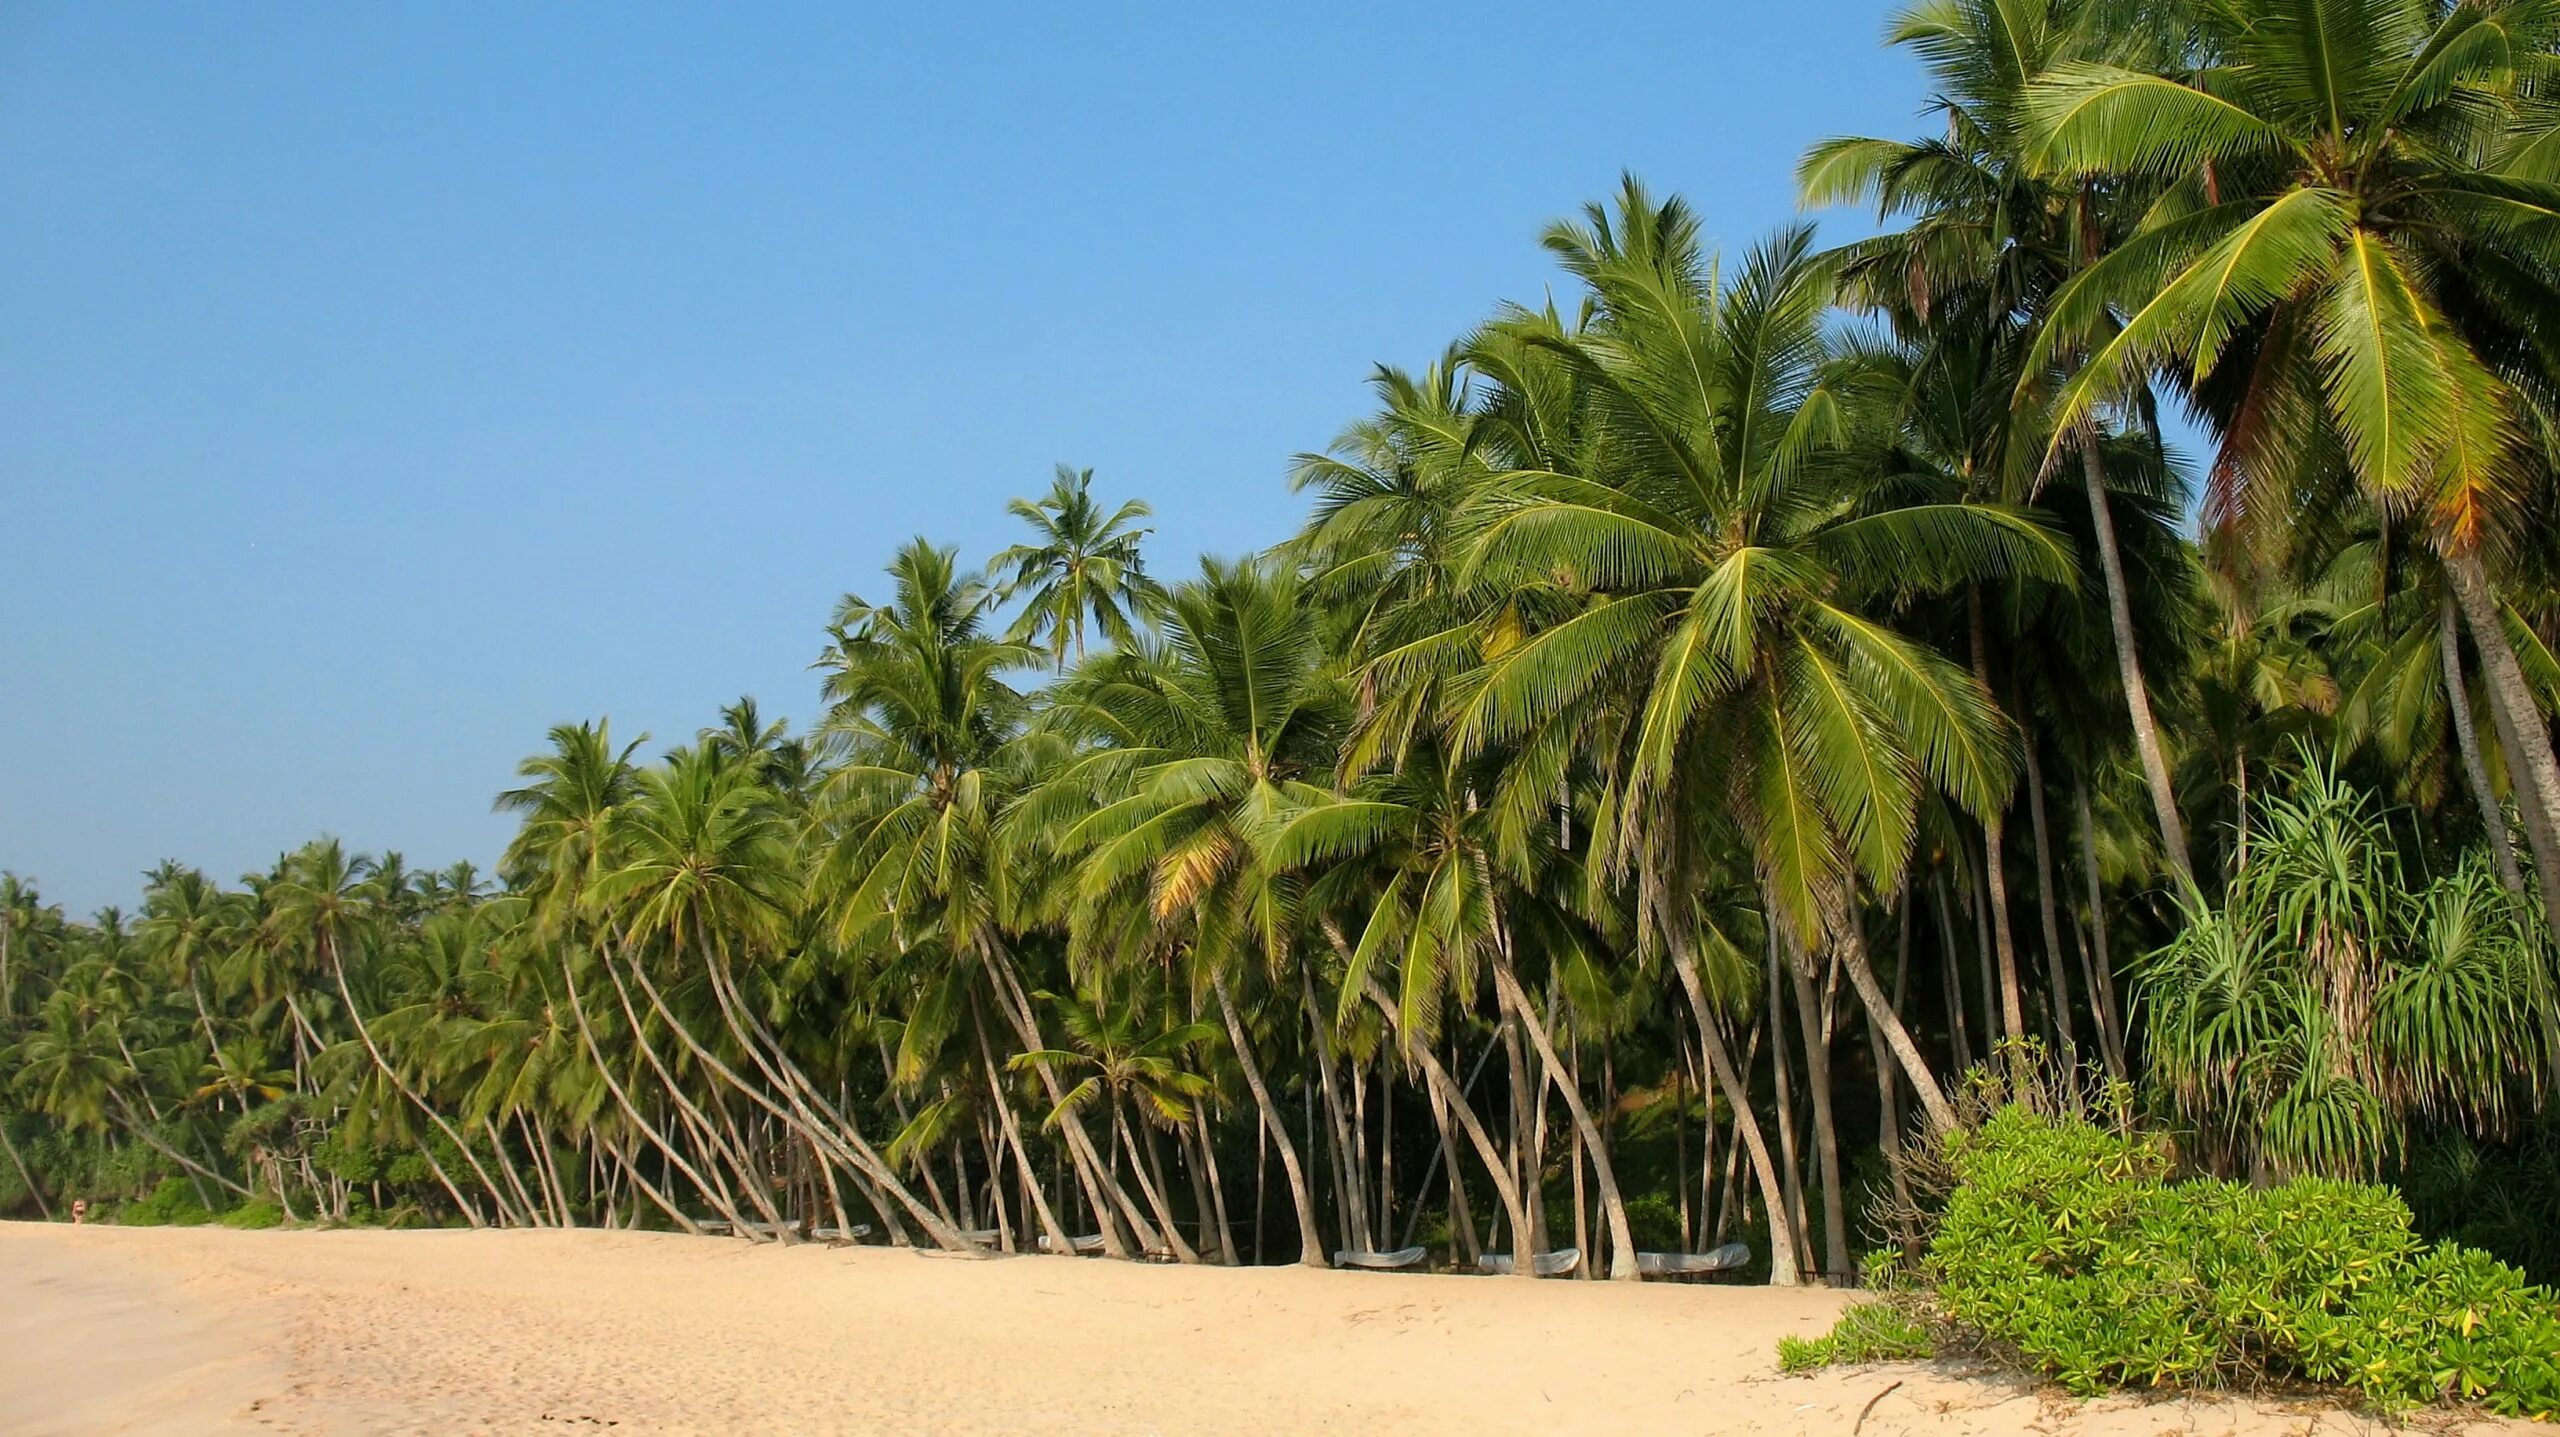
(1497, 1167)
(1826, 1134)
(2046, 907)
(2137, 695)
(1049, 1225)
(1849, 942)
(339, 969)
(631, 1110)
(2493, 816)
(1217, 1194)
(1349, 1186)
(2110, 1020)
(24, 1175)
(1782, 1238)
(1622, 1257)
(1310, 1240)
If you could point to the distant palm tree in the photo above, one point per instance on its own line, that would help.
(1085, 566)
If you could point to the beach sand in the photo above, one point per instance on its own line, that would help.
(170, 1331)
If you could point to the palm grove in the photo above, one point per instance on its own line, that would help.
(1702, 720)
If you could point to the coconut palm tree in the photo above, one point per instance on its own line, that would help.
(2357, 217)
(1084, 566)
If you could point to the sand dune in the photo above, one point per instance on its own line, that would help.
(201, 1331)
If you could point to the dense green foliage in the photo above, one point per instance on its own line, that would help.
(1702, 718)
(2067, 1246)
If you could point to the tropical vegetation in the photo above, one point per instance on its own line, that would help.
(1709, 722)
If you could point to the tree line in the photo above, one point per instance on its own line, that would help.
(1707, 727)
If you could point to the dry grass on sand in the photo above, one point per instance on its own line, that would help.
(191, 1331)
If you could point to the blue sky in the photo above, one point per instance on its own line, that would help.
(379, 389)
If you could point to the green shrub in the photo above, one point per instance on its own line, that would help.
(2067, 1248)
(172, 1203)
(256, 1212)
(1866, 1332)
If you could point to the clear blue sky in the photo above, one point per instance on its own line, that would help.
(377, 390)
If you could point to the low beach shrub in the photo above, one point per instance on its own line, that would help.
(2067, 1248)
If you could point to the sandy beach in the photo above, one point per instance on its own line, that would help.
(170, 1331)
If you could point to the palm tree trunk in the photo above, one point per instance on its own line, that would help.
(2519, 718)
(2137, 696)
(515, 1181)
(2047, 910)
(2110, 1019)
(822, 1120)
(1782, 1238)
(631, 1110)
(1849, 942)
(1454, 1101)
(1782, 1078)
(1622, 1243)
(1888, 1092)
(339, 968)
(139, 1129)
(1012, 1123)
(1111, 1203)
(20, 1163)
(715, 1152)
(1826, 1133)
(1150, 1178)
(1995, 826)
(1310, 1240)
(2493, 815)
(1349, 1185)
(1227, 1254)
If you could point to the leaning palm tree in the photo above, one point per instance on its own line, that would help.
(1988, 239)
(2355, 244)
(1085, 566)
(1200, 745)
(1710, 591)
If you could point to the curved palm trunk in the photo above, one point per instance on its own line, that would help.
(497, 1197)
(631, 1113)
(1826, 1131)
(1849, 941)
(1012, 1123)
(2137, 695)
(1214, 1199)
(1782, 1237)
(1310, 1241)
(808, 1104)
(705, 1131)
(1453, 1100)
(2046, 910)
(1622, 1242)
(1142, 1166)
(2475, 769)
(25, 1176)
(1351, 1200)
(134, 1125)
(1995, 827)
(2110, 1020)
(2519, 718)
(1110, 1202)
(687, 1117)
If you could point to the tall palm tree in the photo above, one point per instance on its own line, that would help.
(1084, 566)
(1990, 237)
(2357, 220)
(1202, 743)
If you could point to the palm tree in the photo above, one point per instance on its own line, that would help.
(1202, 742)
(2357, 219)
(1990, 238)
(1084, 566)
(909, 852)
